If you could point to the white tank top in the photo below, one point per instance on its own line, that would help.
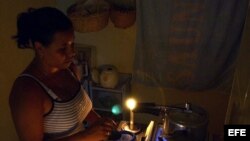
(65, 117)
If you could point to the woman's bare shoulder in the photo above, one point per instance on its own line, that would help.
(27, 105)
(26, 89)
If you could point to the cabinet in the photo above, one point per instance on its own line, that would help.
(105, 98)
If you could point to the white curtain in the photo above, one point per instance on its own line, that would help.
(188, 44)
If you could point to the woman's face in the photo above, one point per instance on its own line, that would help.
(60, 53)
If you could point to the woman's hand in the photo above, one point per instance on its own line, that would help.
(102, 129)
(109, 125)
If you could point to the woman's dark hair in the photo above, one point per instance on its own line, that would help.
(40, 25)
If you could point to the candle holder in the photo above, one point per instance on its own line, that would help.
(131, 104)
(125, 126)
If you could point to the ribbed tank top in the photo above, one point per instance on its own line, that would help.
(65, 117)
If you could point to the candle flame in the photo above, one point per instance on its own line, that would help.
(131, 103)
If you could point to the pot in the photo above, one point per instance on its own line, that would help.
(109, 76)
(185, 120)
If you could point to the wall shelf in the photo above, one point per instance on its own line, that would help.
(105, 98)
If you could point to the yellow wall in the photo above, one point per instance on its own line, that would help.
(113, 46)
(12, 60)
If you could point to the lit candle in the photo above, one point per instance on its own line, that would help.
(131, 104)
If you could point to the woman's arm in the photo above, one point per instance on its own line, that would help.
(26, 104)
(98, 129)
(92, 118)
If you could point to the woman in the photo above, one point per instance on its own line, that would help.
(47, 100)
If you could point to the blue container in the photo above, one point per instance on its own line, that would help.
(127, 136)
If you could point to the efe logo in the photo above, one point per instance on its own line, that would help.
(237, 132)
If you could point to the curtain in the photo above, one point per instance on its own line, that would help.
(188, 44)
